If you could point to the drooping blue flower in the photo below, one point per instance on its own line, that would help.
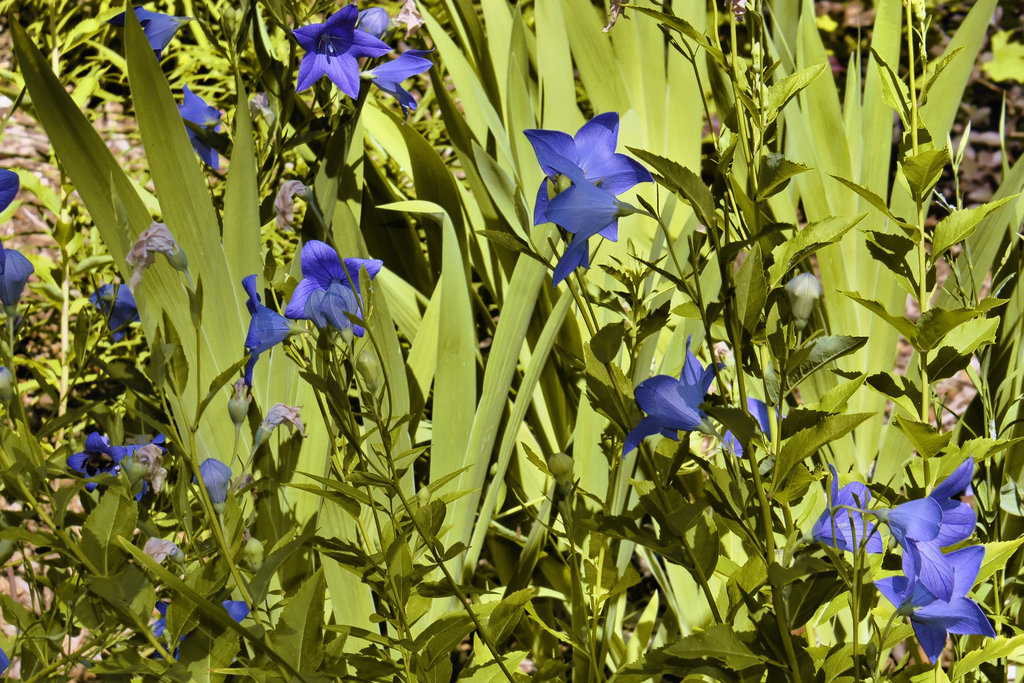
(932, 618)
(216, 478)
(592, 151)
(237, 609)
(389, 76)
(193, 108)
(267, 328)
(4, 661)
(958, 518)
(584, 175)
(915, 526)
(99, 457)
(158, 28)
(118, 304)
(332, 49)
(843, 528)
(14, 272)
(672, 405)
(160, 625)
(375, 21)
(759, 410)
(9, 184)
(329, 289)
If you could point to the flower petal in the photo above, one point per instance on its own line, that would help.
(551, 147)
(596, 141)
(9, 184)
(296, 308)
(321, 263)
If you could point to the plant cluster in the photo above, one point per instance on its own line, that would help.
(641, 423)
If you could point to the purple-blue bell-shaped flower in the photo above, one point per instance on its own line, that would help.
(844, 528)
(9, 184)
(237, 609)
(158, 28)
(4, 661)
(584, 175)
(374, 20)
(592, 151)
(333, 48)
(99, 457)
(672, 405)
(329, 290)
(389, 76)
(958, 519)
(759, 410)
(932, 618)
(915, 526)
(193, 108)
(267, 328)
(14, 272)
(118, 304)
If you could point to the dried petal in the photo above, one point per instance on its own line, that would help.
(410, 17)
(156, 239)
(284, 203)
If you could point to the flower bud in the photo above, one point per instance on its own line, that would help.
(374, 21)
(160, 550)
(238, 404)
(369, 369)
(803, 291)
(7, 384)
(178, 260)
(561, 466)
(254, 553)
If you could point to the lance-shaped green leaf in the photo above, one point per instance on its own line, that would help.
(779, 94)
(923, 170)
(901, 323)
(894, 91)
(774, 174)
(926, 439)
(959, 225)
(879, 203)
(115, 515)
(683, 182)
(298, 635)
(808, 240)
(811, 357)
(751, 289)
(807, 441)
(935, 323)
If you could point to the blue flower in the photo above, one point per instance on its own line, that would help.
(915, 526)
(584, 175)
(216, 478)
(759, 410)
(267, 328)
(389, 76)
(237, 609)
(158, 28)
(592, 151)
(332, 50)
(14, 272)
(4, 661)
(196, 110)
(374, 21)
(958, 519)
(847, 529)
(118, 304)
(99, 457)
(9, 184)
(933, 618)
(672, 405)
(329, 289)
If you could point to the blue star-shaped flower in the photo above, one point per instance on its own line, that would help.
(118, 304)
(592, 151)
(14, 272)
(267, 328)
(332, 49)
(847, 529)
(158, 28)
(389, 76)
(933, 618)
(196, 110)
(99, 457)
(329, 289)
(958, 519)
(584, 175)
(672, 405)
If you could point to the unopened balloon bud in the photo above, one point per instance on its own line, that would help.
(7, 384)
(561, 467)
(803, 291)
(369, 369)
(254, 553)
(238, 404)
